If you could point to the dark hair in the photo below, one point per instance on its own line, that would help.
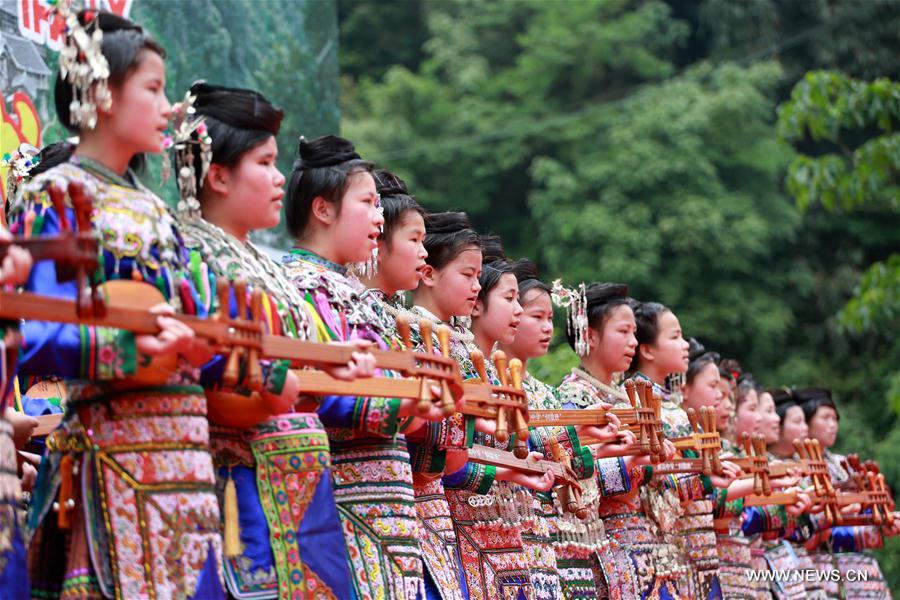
(732, 367)
(396, 202)
(602, 299)
(528, 276)
(52, 155)
(49, 156)
(698, 359)
(237, 119)
(122, 44)
(725, 373)
(812, 399)
(745, 385)
(784, 399)
(492, 249)
(322, 169)
(491, 273)
(447, 235)
(646, 317)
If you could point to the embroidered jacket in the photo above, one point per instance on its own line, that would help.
(166, 424)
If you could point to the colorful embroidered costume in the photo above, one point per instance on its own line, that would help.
(291, 539)
(692, 530)
(640, 564)
(842, 548)
(429, 448)
(145, 517)
(574, 543)
(13, 572)
(735, 548)
(487, 515)
(371, 470)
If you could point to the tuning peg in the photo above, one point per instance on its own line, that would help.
(58, 198)
(692, 418)
(222, 288)
(500, 365)
(648, 393)
(403, 329)
(232, 367)
(426, 397)
(799, 449)
(240, 295)
(555, 450)
(425, 328)
(443, 333)
(478, 363)
(520, 449)
(639, 386)
(81, 205)
(629, 390)
(254, 370)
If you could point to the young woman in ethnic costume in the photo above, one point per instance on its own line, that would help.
(735, 553)
(332, 211)
(230, 186)
(662, 351)
(447, 292)
(401, 259)
(841, 547)
(569, 560)
(636, 564)
(775, 524)
(14, 583)
(702, 389)
(137, 529)
(489, 520)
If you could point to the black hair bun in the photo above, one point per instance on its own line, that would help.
(526, 270)
(325, 151)
(783, 395)
(389, 184)
(240, 108)
(601, 293)
(446, 223)
(733, 367)
(812, 393)
(695, 349)
(492, 249)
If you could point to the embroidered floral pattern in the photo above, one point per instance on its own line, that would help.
(291, 460)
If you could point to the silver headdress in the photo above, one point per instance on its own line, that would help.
(83, 66)
(20, 161)
(575, 302)
(188, 131)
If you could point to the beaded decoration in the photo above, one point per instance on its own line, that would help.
(83, 66)
(20, 161)
(188, 131)
(575, 301)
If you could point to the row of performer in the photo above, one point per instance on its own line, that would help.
(188, 463)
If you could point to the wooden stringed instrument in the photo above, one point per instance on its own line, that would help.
(642, 418)
(564, 477)
(872, 495)
(704, 440)
(75, 252)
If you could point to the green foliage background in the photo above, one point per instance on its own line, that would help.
(737, 161)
